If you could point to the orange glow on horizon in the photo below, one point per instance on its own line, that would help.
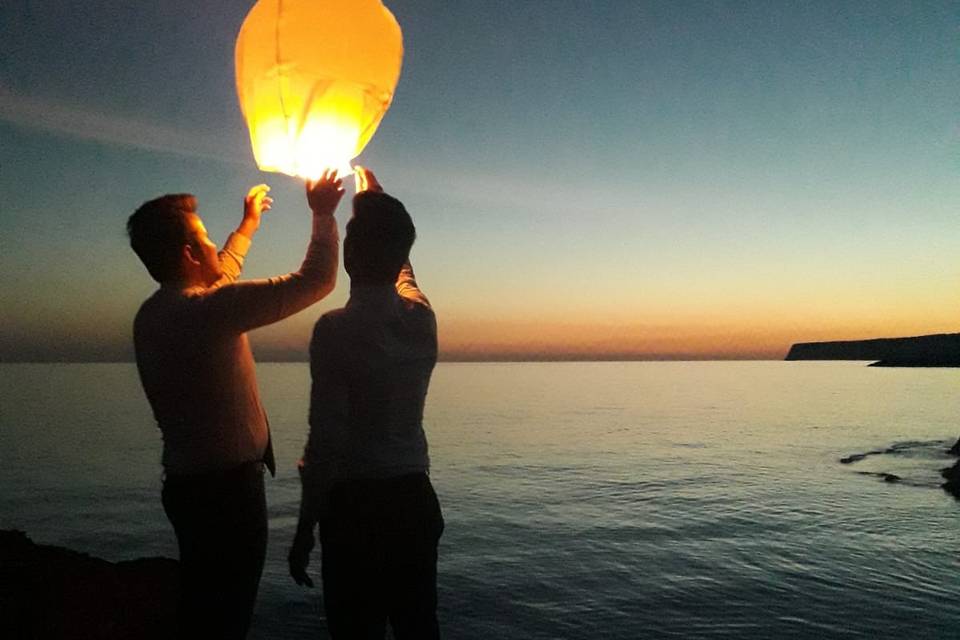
(580, 329)
(683, 340)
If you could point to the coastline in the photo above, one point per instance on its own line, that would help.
(936, 350)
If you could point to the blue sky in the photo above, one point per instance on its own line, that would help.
(657, 179)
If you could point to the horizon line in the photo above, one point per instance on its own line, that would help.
(456, 360)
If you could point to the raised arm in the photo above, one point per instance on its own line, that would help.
(407, 286)
(246, 305)
(255, 204)
(406, 282)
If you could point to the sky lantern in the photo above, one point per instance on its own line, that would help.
(314, 79)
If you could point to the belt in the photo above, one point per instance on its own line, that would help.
(239, 471)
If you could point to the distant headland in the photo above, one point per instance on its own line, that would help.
(939, 350)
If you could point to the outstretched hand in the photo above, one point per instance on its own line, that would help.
(366, 181)
(299, 558)
(323, 194)
(254, 205)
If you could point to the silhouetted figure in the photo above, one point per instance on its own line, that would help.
(198, 374)
(365, 465)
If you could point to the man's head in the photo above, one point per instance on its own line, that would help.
(169, 237)
(379, 237)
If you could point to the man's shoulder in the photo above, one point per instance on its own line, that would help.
(169, 306)
(418, 307)
(165, 300)
(420, 313)
(151, 306)
(329, 323)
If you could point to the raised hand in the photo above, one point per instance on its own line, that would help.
(366, 181)
(323, 194)
(254, 205)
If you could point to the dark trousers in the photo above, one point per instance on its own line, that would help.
(221, 524)
(379, 546)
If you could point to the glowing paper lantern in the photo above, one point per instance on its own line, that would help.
(314, 78)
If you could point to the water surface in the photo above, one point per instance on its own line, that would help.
(655, 500)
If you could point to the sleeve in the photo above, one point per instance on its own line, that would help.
(311, 509)
(246, 305)
(407, 286)
(231, 258)
(328, 406)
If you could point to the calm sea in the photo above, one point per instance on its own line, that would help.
(615, 500)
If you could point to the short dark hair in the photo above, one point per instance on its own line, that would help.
(158, 230)
(379, 237)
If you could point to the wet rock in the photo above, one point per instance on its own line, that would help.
(952, 477)
(53, 592)
(955, 449)
(886, 477)
(856, 457)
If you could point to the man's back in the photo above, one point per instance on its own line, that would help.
(371, 363)
(200, 380)
(365, 468)
(195, 361)
(197, 370)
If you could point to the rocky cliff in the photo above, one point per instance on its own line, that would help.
(52, 592)
(940, 350)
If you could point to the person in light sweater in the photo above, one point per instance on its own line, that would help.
(197, 370)
(365, 466)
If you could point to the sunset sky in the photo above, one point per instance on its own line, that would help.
(589, 179)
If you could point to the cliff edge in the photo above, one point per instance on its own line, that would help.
(53, 592)
(939, 350)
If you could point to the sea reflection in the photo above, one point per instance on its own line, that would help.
(693, 500)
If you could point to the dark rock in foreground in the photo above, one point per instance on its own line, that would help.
(952, 474)
(952, 477)
(883, 475)
(940, 350)
(955, 449)
(52, 592)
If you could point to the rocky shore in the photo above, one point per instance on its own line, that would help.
(952, 477)
(53, 592)
(952, 474)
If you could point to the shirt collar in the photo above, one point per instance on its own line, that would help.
(372, 294)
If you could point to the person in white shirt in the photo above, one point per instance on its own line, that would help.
(197, 370)
(365, 467)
